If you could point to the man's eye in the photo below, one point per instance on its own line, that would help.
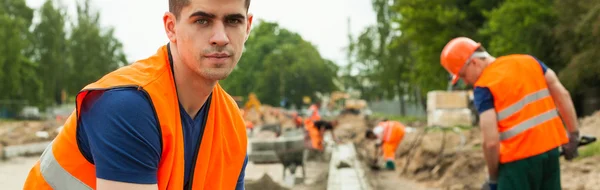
(202, 21)
(233, 21)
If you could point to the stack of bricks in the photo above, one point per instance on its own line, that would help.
(448, 109)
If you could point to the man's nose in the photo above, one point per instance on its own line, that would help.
(219, 37)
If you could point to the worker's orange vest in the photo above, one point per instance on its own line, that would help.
(528, 121)
(219, 159)
(393, 131)
(316, 137)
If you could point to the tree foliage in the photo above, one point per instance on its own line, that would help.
(400, 54)
(278, 64)
(41, 61)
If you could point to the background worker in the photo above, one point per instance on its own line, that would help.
(324, 126)
(389, 135)
(162, 122)
(316, 140)
(517, 97)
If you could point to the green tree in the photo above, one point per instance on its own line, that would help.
(93, 48)
(427, 25)
(18, 79)
(523, 27)
(278, 63)
(50, 51)
(579, 36)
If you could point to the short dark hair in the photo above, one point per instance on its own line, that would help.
(175, 6)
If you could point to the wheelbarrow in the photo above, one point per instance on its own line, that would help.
(262, 151)
(290, 150)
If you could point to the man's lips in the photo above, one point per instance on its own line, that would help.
(217, 55)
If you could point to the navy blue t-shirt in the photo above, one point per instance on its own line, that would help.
(483, 99)
(119, 134)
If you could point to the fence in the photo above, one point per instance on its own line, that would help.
(393, 107)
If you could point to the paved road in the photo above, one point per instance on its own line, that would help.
(14, 171)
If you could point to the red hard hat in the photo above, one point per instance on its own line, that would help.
(456, 53)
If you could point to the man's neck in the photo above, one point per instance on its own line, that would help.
(192, 89)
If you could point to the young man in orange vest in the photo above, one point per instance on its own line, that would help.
(162, 122)
(522, 106)
(389, 135)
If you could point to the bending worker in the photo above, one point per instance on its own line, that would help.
(389, 135)
(316, 139)
(520, 101)
(162, 122)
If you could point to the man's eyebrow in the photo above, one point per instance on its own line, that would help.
(202, 14)
(235, 16)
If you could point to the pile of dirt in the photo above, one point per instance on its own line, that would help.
(267, 115)
(436, 158)
(453, 159)
(351, 128)
(264, 183)
(23, 132)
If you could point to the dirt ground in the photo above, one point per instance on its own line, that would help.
(454, 160)
(22, 132)
(583, 174)
(270, 177)
(351, 129)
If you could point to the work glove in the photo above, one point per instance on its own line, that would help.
(489, 185)
(570, 149)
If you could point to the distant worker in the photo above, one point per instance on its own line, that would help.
(389, 135)
(324, 126)
(314, 133)
(163, 122)
(249, 125)
(517, 97)
(297, 119)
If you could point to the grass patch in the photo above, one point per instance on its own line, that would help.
(7, 120)
(589, 150)
(403, 119)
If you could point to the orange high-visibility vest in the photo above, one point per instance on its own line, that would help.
(393, 133)
(528, 121)
(219, 159)
(316, 137)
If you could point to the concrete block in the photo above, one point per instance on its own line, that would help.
(24, 149)
(449, 117)
(447, 100)
(346, 178)
(263, 157)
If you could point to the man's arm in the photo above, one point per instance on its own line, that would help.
(108, 184)
(119, 134)
(491, 141)
(562, 99)
(488, 122)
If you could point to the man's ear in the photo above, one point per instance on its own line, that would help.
(169, 21)
(249, 26)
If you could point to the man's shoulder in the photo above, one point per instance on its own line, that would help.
(117, 101)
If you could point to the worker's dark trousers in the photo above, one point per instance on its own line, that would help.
(540, 172)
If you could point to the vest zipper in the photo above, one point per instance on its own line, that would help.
(191, 182)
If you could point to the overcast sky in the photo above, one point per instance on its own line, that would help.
(138, 23)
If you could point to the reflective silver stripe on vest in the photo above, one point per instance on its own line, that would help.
(56, 176)
(527, 124)
(516, 107)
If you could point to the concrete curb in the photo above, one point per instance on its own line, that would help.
(24, 149)
(345, 171)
